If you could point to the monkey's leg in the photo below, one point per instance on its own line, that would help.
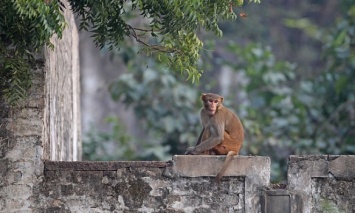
(228, 160)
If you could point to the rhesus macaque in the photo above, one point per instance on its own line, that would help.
(222, 132)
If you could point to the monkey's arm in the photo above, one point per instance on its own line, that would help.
(217, 136)
(190, 149)
(200, 137)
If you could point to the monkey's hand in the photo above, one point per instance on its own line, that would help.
(190, 151)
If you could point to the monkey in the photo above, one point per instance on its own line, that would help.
(222, 131)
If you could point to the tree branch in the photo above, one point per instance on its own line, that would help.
(154, 47)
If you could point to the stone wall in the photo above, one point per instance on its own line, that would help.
(316, 184)
(322, 183)
(46, 125)
(185, 184)
(21, 147)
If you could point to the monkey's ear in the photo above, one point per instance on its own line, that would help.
(221, 99)
(203, 96)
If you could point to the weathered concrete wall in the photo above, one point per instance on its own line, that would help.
(316, 184)
(173, 186)
(322, 183)
(44, 126)
(21, 147)
(62, 100)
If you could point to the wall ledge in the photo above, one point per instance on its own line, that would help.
(323, 165)
(209, 165)
(183, 165)
(101, 165)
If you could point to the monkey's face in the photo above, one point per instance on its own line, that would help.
(211, 106)
(211, 102)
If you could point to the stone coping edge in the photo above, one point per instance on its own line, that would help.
(102, 165)
(207, 165)
(199, 165)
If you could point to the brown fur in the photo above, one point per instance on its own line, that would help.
(222, 132)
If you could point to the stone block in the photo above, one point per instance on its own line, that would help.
(207, 165)
(276, 201)
(343, 167)
(255, 169)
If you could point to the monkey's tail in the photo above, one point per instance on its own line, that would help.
(228, 160)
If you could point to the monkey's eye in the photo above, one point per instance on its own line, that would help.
(213, 101)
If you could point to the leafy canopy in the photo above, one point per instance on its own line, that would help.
(170, 33)
(25, 27)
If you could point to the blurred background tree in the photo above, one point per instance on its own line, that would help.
(286, 68)
(154, 87)
(287, 72)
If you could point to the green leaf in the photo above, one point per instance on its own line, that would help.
(341, 83)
